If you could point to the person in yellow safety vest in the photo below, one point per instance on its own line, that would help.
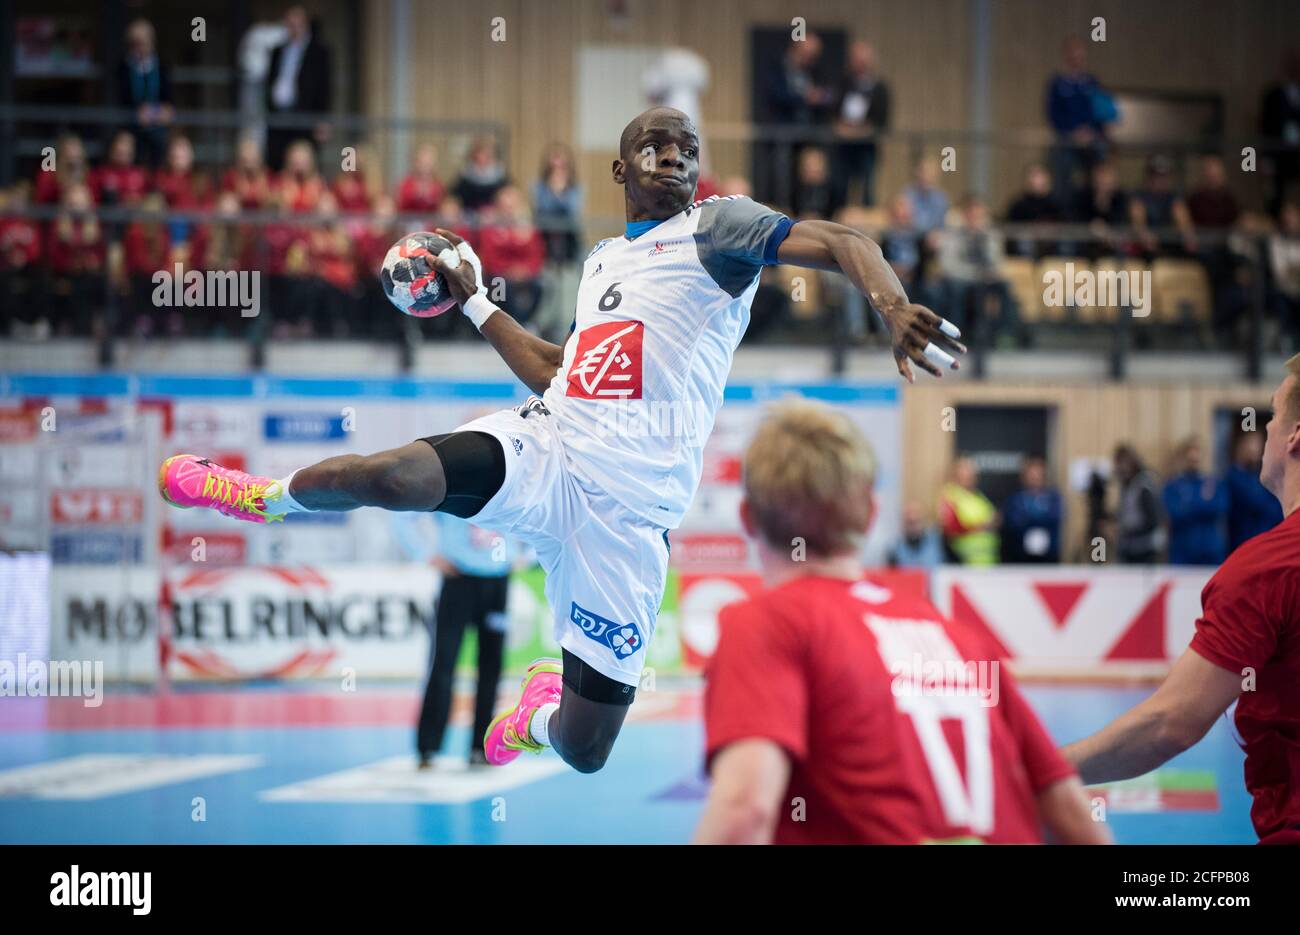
(970, 521)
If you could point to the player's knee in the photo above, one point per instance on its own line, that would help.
(588, 757)
(588, 761)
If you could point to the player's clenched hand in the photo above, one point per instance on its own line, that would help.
(921, 337)
(464, 278)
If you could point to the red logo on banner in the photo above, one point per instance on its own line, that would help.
(607, 364)
(96, 506)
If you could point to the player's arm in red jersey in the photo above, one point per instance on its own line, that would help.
(1063, 810)
(1059, 796)
(533, 360)
(755, 722)
(749, 781)
(1185, 706)
(913, 328)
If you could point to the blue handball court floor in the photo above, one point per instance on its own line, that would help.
(270, 764)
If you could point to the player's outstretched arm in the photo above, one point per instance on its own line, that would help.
(919, 336)
(533, 360)
(1181, 711)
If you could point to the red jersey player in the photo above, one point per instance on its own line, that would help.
(838, 711)
(1246, 649)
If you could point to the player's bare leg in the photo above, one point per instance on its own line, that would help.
(413, 477)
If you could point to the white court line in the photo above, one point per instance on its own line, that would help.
(97, 775)
(397, 781)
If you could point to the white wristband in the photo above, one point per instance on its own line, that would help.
(477, 309)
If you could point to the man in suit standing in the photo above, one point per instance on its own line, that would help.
(297, 85)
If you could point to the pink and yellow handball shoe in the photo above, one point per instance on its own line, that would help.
(190, 481)
(507, 736)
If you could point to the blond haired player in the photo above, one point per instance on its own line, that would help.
(840, 711)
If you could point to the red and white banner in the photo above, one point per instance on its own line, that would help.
(1077, 620)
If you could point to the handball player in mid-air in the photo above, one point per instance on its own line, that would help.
(595, 469)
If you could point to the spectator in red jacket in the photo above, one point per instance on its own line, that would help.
(76, 250)
(248, 178)
(20, 251)
(119, 181)
(421, 192)
(147, 249)
(68, 169)
(181, 186)
(353, 186)
(300, 184)
(512, 251)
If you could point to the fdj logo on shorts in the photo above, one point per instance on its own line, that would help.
(623, 638)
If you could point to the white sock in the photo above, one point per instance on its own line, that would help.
(539, 724)
(283, 500)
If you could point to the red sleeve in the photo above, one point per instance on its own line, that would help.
(755, 686)
(1236, 630)
(1043, 762)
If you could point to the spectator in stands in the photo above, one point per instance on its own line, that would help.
(861, 114)
(513, 251)
(77, 254)
(353, 187)
(792, 96)
(1103, 206)
(968, 518)
(248, 179)
(1284, 272)
(144, 86)
(1079, 111)
(557, 208)
(929, 201)
(299, 85)
(421, 192)
(1031, 519)
(146, 249)
(482, 176)
(70, 168)
(1251, 509)
(300, 184)
(1279, 121)
(814, 189)
(1196, 505)
(334, 268)
(920, 545)
(901, 245)
(1158, 211)
(1034, 205)
(970, 262)
(1211, 203)
(119, 181)
(20, 252)
(177, 181)
(1212, 206)
(1139, 533)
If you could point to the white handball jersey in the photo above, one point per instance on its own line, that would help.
(657, 322)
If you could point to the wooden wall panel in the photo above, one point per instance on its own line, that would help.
(923, 47)
(1090, 422)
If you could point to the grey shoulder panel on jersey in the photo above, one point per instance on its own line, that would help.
(731, 240)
